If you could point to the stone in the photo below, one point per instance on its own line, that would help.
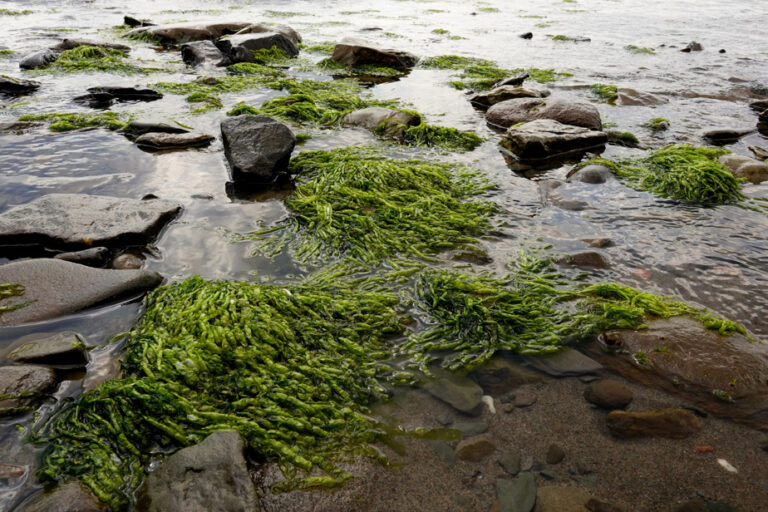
(499, 376)
(753, 170)
(382, 121)
(136, 128)
(632, 97)
(565, 363)
(555, 454)
(105, 96)
(19, 127)
(459, 392)
(258, 28)
(592, 174)
(470, 428)
(198, 53)
(545, 139)
(597, 242)
(130, 21)
(518, 495)
(561, 499)
(484, 100)
(126, 261)
(160, 141)
(27, 380)
(258, 148)
(93, 257)
(75, 221)
(694, 505)
(526, 35)
(192, 31)
(585, 259)
(38, 59)
(54, 288)
(71, 44)
(70, 496)
(608, 394)
(211, 475)
(525, 399)
(515, 80)
(759, 105)
(475, 449)
(595, 505)
(239, 47)
(510, 461)
(523, 110)
(443, 450)
(762, 123)
(17, 86)
(61, 349)
(355, 52)
(725, 136)
(693, 46)
(670, 423)
(759, 152)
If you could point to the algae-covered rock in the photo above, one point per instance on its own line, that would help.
(258, 148)
(522, 110)
(355, 52)
(183, 32)
(238, 47)
(198, 53)
(62, 349)
(384, 121)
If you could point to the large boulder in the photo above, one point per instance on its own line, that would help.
(60, 349)
(673, 423)
(258, 148)
(22, 385)
(287, 31)
(198, 53)
(54, 288)
(183, 32)
(17, 86)
(38, 59)
(70, 221)
(355, 52)
(160, 141)
(211, 475)
(545, 139)
(753, 170)
(239, 46)
(522, 110)
(383, 121)
(68, 497)
(484, 100)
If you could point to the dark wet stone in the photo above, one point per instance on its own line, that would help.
(355, 52)
(585, 259)
(475, 449)
(545, 139)
(597, 242)
(141, 127)
(499, 376)
(19, 127)
(759, 106)
(669, 423)
(199, 53)
(61, 349)
(555, 454)
(510, 461)
(608, 394)
(592, 174)
(693, 46)
(38, 59)
(526, 35)
(68, 497)
(515, 81)
(517, 495)
(126, 261)
(387, 122)
(565, 363)
(93, 257)
(561, 499)
(258, 148)
(523, 110)
(159, 141)
(55, 288)
(105, 96)
(486, 99)
(17, 86)
(726, 135)
(211, 475)
(632, 97)
(27, 380)
(82, 220)
(130, 21)
(459, 392)
(258, 28)
(470, 428)
(694, 505)
(595, 505)
(239, 46)
(70, 44)
(194, 31)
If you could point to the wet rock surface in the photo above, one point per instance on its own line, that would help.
(136, 128)
(585, 259)
(354, 52)
(160, 141)
(546, 139)
(523, 110)
(193, 31)
(608, 394)
(38, 59)
(63, 349)
(67, 497)
(499, 376)
(672, 423)
(285, 30)
(53, 288)
(22, 385)
(387, 122)
(485, 100)
(459, 392)
(258, 148)
(561, 499)
(753, 170)
(93, 257)
(105, 96)
(239, 46)
(723, 136)
(17, 86)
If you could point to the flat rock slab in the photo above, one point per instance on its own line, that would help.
(160, 141)
(67, 497)
(565, 363)
(198, 53)
(22, 385)
(522, 110)
(545, 139)
(355, 52)
(459, 392)
(62, 349)
(17, 86)
(54, 288)
(78, 221)
(669, 423)
(753, 170)
(484, 100)
(518, 495)
(182, 32)
(141, 127)
(208, 476)
(104, 96)
(258, 148)
(70, 44)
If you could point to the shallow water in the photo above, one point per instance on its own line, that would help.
(716, 258)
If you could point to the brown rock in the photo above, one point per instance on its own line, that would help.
(475, 449)
(694, 505)
(67, 497)
(522, 110)
(561, 499)
(160, 141)
(486, 99)
(555, 454)
(671, 423)
(126, 261)
(585, 259)
(525, 399)
(194, 31)
(355, 52)
(499, 376)
(384, 121)
(27, 380)
(608, 394)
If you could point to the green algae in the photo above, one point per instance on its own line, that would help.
(657, 124)
(251, 68)
(355, 202)
(8, 290)
(631, 48)
(605, 92)
(482, 74)
(271, 57)
(68, 121)
(323, 49)
(92, 58)
(441, 136)
(6, 53)
(622, 138)
(209, 101)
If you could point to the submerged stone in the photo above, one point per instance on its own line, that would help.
(105, 96)
(668, 423)
(561, 499)
(608, 394)
(63, 349)
(194, 31)
(70, 496)
(545, 139)
(592, 174)
(585, 259)
(160, 141)
(257, 148)
(475, 449)
(511, 112)
(725, 136)
(499, 376)
(141, 127)
(518, 495)
(22, 385)
(355, 52)
(17, 86)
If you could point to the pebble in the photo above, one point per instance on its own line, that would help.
(508, 408)
(525, 399)
(555, 454)
(608, 394)
(475, 449)
(510, 461)
(126, 261)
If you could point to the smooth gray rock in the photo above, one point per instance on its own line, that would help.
(565, 363)
(354, 52)
(724, 136)
(753, 170)
(258, 148)
(255, 41)
(198, 53)
(194, 31)
(56, 288)
(508, 113)
(459, 392)
(592, 174)
(510, 461)
(211, 475)
(470, 428)
(27, 380)
(61, 349)
(486, 99)
(68, 497)
(38, 59)
(372, 118)
(70, 44)
(93, 257)
(518, 495)
(160, 141)
(585, 259)
(545, 139)
(74, 221)
(287, 31)
(17, 86)
(130, 21)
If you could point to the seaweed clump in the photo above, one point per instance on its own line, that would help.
(8, 290)
(606, 92)
(354, 202)
(92, 58)
(441, 136)
(631, 48)
(482, 74)
(292, 369)
(68, 121)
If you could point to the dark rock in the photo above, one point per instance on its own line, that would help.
(525, 399)
(721, 50)
(203, 52)
(105, 96)
(592, 174)
(17, 86)
(82, 220)
(722, 506)
(726, 136)
(693, 46)
(19, 127)
(598, 242)
(159, 141)
(141, 127)
(38, 59)
(93, 257)
(549, 475)
(258, 148)
(459, 392)
(518, 495)
(561, 499)
(255, 41)
(22, 385)
(62, 349)
(470, 428)
(130, 21)
(499, 376)
(194, 31)
(510, 461)
(514, 81)
(475, 449)
(545, 139)
(387, 122)
(585, 259)
(67, 497)
(526, 35)
(608, 394)
(632, 97)
(763, 442)
(759, 106)
(595, 505)
(126, 261)
(753, 170)
(70, 44)
(354, 52)
(555, 454)
(211, 475)
(522, 110)
(258, 28)
(484, 100)
(565, 363)
(443, 450)
(694, 505)
(55, 288)
(670, 423)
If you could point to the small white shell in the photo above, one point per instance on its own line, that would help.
(488, 400)
(727, 466)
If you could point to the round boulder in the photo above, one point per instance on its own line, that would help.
(507, 113)
(608, 394)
